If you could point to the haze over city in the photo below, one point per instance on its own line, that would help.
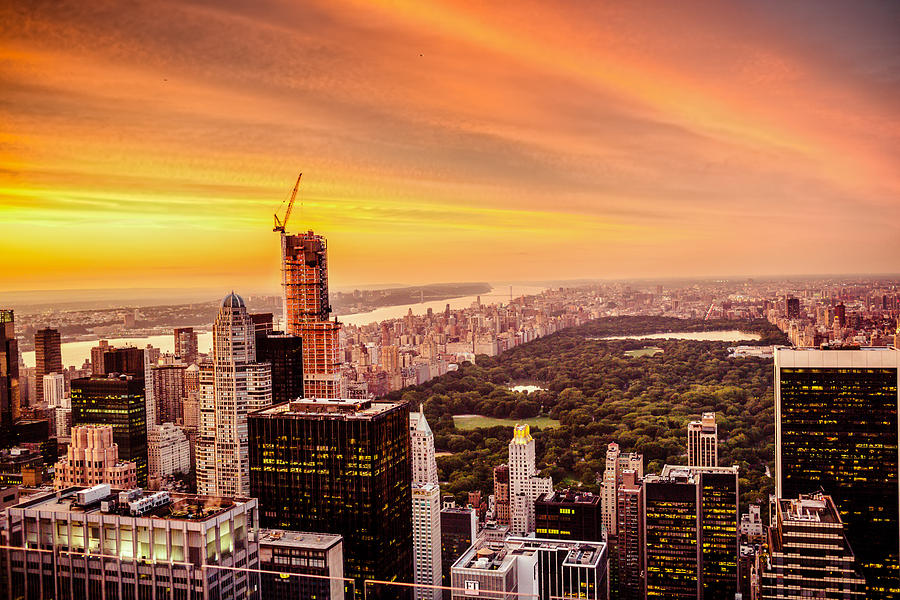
(447, 141)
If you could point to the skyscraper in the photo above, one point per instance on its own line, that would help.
(524, 484)
(459, 530)
(233, 385)
(117, 401)
(339, 466)
(137, 362)
(97, 357)
(836, 429)
(285, 353)
(501, 494)
(691, 533)
(628, 566)
(703, 441)
(9, 375)
(808, 554)
(168, 390)
(616, 463)
(186, 344)
(47, 357)
(421, 441)
(426, 519)
(304, 278)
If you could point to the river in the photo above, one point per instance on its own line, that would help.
(75, 353)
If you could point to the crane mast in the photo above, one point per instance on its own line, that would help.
(279, 223)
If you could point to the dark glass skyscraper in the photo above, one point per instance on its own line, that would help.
(285, 353)
(459, 530)
(836, 430)
(117, 401)
(568, 515)
(9, 375)
(339, 466)
(47, 358)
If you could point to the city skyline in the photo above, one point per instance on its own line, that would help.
(448, 133)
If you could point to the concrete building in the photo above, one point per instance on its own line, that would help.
(459, 530)
(168, 451)
(703, 441)
(501, 495)
(295, 565)
(627, 555)
(617, 462)
(54, 385)
(93, 458)
(836, 429)
(168, 389)
(97, 544)
(524, 484)
(421, 442)
(186, 344)
(232, 384)
(532, 568)
(426, 519)
(808, 553)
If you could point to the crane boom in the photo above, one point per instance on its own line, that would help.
(281, 224)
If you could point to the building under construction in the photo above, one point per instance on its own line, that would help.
(304, 279)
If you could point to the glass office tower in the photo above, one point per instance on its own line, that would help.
(837, 430)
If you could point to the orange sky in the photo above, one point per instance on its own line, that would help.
(147, 144)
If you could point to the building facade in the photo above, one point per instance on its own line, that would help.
(340, 466)
(232, 384)
(421, 441)
(524, 484)
(169, 390)
(304, 278)
(9, 375)
(426, 530)
(459, 530)
(808, 553)
(296, 565)
(168, 451)
(94, 543)
(92, 458)
(501, 495)
(186, 344)
(285, 353)
(47, 357)
(117, 401)
(568, 515)
(703, 441)
(627, 562)
(836, 429)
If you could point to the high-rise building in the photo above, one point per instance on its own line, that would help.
(169, 390)
(168, 451)
(532, 568)
(93, 458)
(524, 484)
(617, 462)
(137, 362)
(9, 375)
(297, 565)
(186, 344)
(568, 515)
(627, 571)
(97, 353)
(426, 530)
(232, 384)
(304, 278)
(47, 357)
(691, 533)
(285, 353)
(421, 442)
(459, 530)
(341, 466)
(501, 494)
(54, 385)
(703, 441)
(808, 554)
(117, 401)
(107, 545)
(792, 308)
(836, 430)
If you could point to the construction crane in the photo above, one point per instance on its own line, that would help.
(279, 223)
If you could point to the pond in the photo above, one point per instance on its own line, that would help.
(527, 388)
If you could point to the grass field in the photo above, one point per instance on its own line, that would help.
(645, 351)
(469, 422)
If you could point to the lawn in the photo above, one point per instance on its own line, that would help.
(469, 422)
(645, 351)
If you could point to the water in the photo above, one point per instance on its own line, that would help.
(732, 335)
(75, 353)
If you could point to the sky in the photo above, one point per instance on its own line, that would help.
(147, 144)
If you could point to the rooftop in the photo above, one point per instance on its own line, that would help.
(568, 496)
(287, 538)
(325, 407)
(814, 508)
